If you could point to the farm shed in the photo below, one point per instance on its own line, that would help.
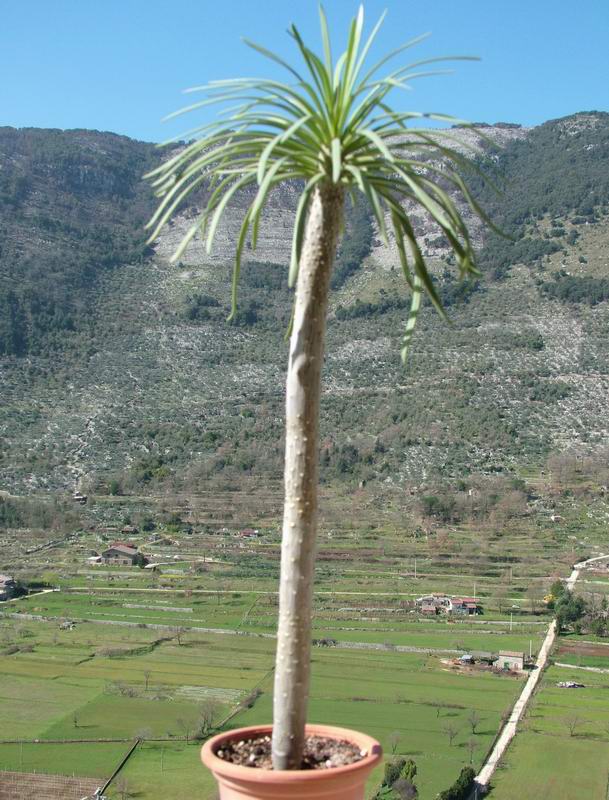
(510, 659)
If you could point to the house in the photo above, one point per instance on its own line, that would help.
(442, 604)
(434, 604)
(510, 659)
(123, 543)
(248, 533)
(8, 587)
(467, 606)
(122, 554)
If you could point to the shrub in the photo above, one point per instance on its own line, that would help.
(462, 787)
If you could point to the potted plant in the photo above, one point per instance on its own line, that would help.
(332, 130)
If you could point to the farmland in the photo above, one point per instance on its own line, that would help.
(82, 693)
(115, 655)
(564, 727)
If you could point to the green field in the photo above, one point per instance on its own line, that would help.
(562, 747)
(150, 650)
(90, 683)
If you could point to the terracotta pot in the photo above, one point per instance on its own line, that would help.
(248, 783)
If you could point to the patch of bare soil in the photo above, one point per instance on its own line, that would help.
(580, 649)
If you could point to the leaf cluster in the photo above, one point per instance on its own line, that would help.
(331, 126)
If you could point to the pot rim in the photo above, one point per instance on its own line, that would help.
(251, 774)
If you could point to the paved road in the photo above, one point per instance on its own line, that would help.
(509, 730)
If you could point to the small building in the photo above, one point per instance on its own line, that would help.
(122, 554)
(510, 659)
(248, 533)
(8, 587)
(484, 656)
(434, 604)
(129, 529)
(466, 606)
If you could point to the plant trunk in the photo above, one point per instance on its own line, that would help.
(303, 389)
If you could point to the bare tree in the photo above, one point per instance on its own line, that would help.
(143, 734)
(208, 710)
(474, 720)
(450, 730)
(573, 722)
(185, 726)
(472, 746)
(179, 632)
(147, 674)
(394, 741)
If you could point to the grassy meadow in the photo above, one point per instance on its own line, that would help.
(150, 652)
(562, 747)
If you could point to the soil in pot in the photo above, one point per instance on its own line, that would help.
(320, 752)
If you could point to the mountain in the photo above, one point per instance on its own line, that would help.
(119, 373)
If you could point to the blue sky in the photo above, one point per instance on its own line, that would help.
(120, 65)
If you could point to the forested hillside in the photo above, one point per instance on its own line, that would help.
(72, 206)
(119, 372)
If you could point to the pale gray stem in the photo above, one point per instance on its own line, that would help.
(303, 389)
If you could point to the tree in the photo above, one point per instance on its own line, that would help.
(147, 674)
(393, 770)
(185, 726)
(474, 720)
(472, 746)
(208, 710)
(569, 609)
(394, 741)
(179, 633)
(332, 130)
(450, 730)
(462, 787)
(573, 722)
(409, 770)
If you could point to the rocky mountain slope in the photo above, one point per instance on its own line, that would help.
(119, 372)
